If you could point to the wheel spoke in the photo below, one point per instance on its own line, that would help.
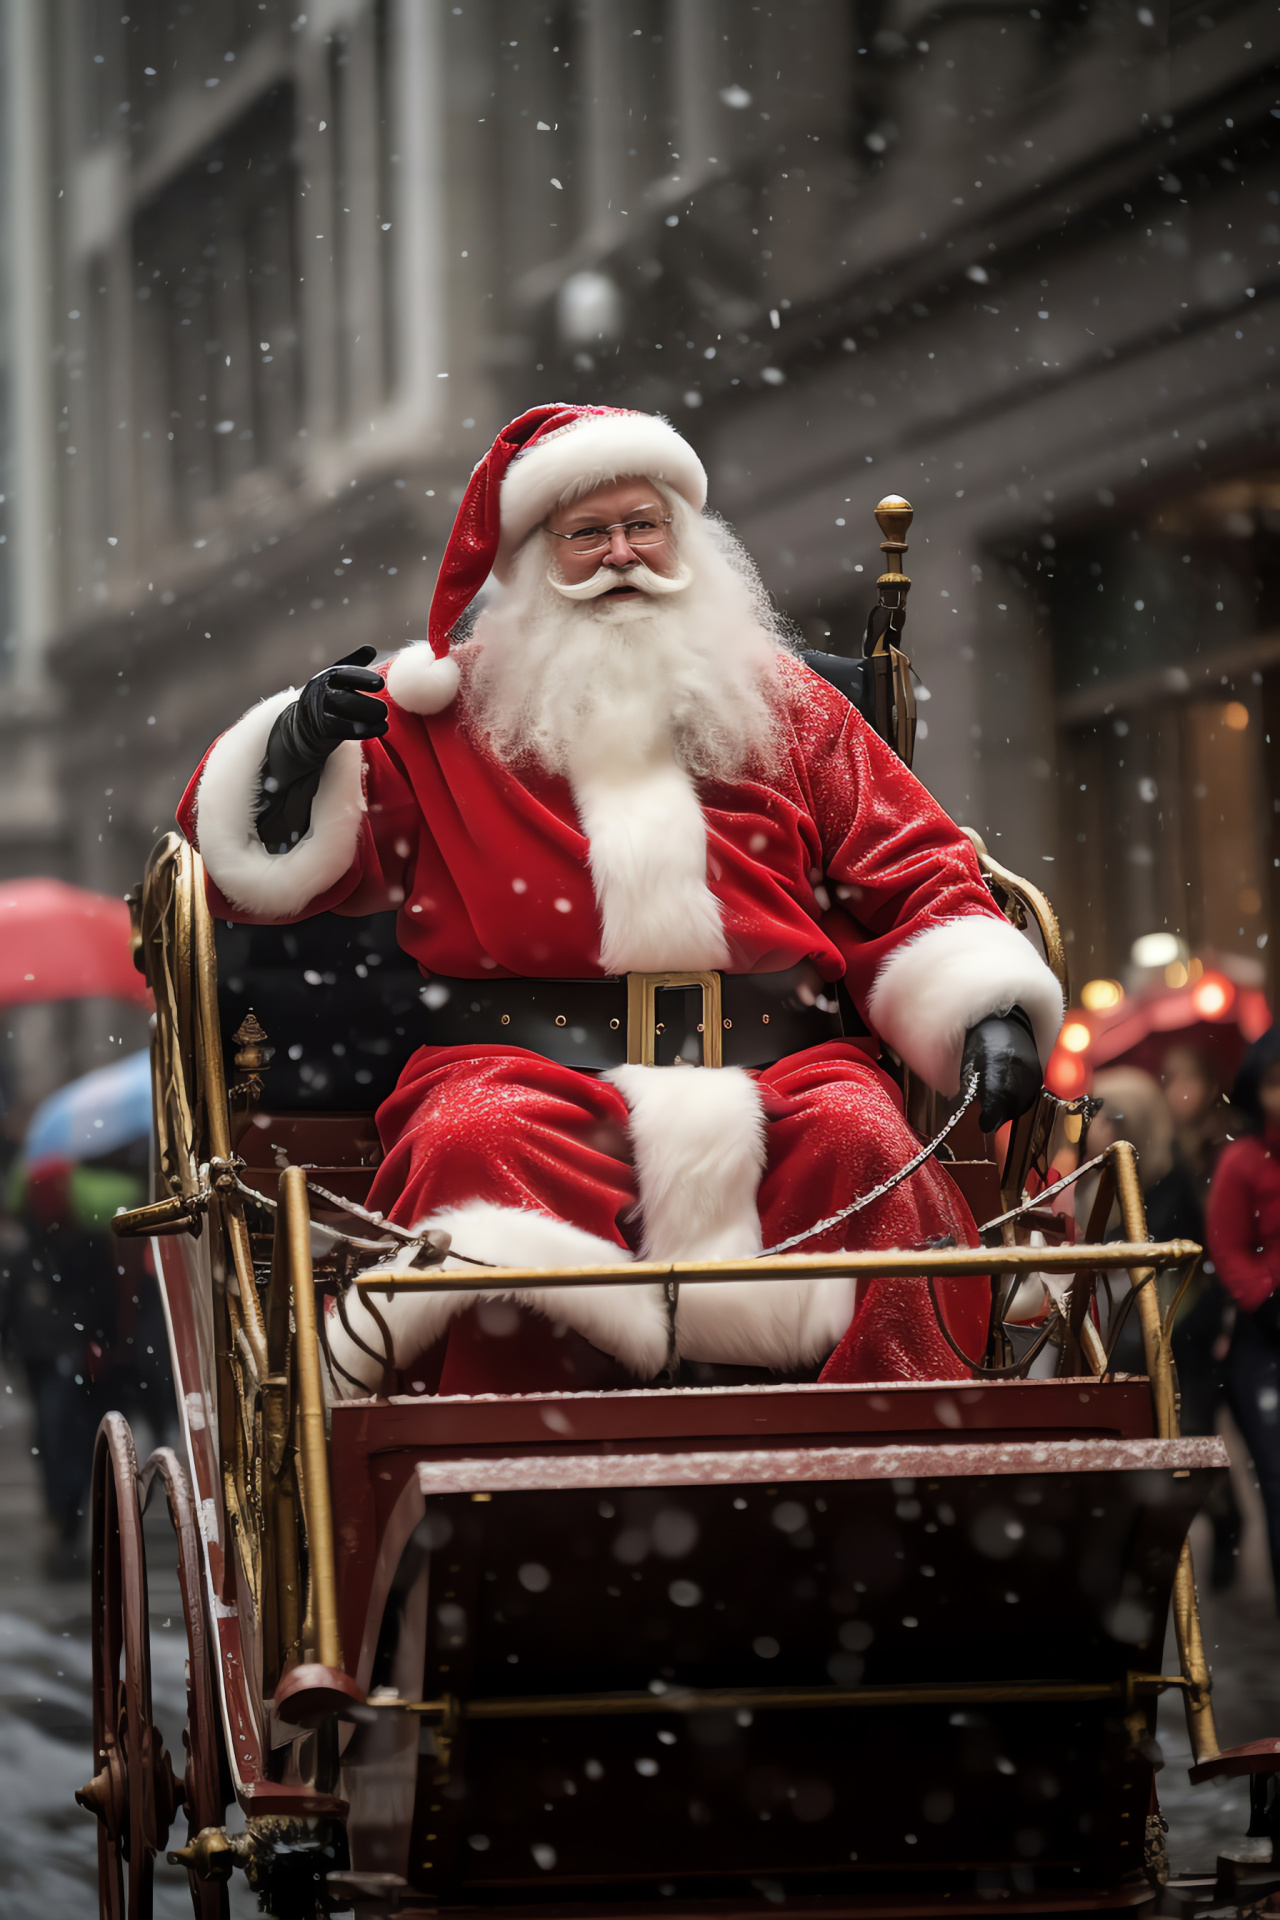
(133, 1793)
(206, 1786)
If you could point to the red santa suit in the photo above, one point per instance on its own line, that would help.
(831, 854)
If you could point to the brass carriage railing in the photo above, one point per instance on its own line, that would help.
(1138, 1256)
(271, 1418)
(270, 1400)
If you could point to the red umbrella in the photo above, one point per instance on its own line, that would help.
(64, 943)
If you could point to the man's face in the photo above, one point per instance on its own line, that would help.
(621, 503)
(1187, 1086)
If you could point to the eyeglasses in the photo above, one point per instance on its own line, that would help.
(636, 533)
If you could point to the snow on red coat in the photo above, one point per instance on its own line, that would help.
(834, 853)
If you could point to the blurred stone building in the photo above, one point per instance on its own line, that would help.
(275, 274)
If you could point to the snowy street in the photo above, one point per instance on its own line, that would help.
(48, 1848)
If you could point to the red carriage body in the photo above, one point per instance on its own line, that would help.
(859, 1649)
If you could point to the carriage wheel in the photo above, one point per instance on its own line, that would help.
(205, 1790)
(134, 1793)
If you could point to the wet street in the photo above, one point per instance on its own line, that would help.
(48, 1846)
(48, 1862)
(1242, 1641)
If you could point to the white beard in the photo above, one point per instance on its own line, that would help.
(574, 683)
(631, 700)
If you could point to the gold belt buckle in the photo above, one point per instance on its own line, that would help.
(642, 1015)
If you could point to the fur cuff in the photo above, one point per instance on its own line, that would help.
(929, 993)
(419, 681)
(630, 1323)
(279, 885)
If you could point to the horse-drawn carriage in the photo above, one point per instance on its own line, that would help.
(861, 1649)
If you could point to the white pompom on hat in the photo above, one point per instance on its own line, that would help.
(420, 682)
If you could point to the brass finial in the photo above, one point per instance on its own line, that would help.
(210, 1856)
(894, 701)
(894, 516)
(249, 1038)
(252, 1056)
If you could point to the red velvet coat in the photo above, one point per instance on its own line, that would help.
(833, 853)
(838, 854)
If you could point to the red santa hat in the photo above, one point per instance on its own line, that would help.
(528, 469)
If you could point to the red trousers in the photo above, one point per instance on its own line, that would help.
(516, 1129)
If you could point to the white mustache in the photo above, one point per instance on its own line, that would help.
(638, 576)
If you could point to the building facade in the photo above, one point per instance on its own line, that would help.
(277, 273)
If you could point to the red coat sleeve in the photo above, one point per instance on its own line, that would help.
(895, 862)
(927, 952)
(357, 858)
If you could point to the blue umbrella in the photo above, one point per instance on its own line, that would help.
(96, 1114)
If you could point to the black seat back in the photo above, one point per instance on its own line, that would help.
(852, 678)
(340, 1003)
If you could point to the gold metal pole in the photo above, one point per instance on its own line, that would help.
(890, 1263)
(593, 1706)
(1142, 1277)
(215, 1090)
(1095, 1353)
(1186, 1607)
(242, 1260)
(895, 702)
(313, 1446)
(1186, 1622)
(173, 1022)
(218, 1117)
(281, 1574)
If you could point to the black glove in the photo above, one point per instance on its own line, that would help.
(333, 706)
(1003, 1051)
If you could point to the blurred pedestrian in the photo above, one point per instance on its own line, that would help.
(1136, 1108)
(1244, 1240)
(81, 1313)
(1202, 1120)
(1203, 1124)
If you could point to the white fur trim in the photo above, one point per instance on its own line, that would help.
(648, 839)
(227, 803)
(628, 1322)
(419, 681)
(765, 1323)
(697, 1138)
(698, 1141)
(595, 450)
(929, 993)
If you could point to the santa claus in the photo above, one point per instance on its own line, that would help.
(669, 893)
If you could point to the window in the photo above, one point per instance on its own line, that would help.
(355, 175)
(1167, 661)
(177, 47)
(215, 288)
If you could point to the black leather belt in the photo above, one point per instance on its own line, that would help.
(656, 1019)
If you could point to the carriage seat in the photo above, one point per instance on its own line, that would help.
(339, 1001)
